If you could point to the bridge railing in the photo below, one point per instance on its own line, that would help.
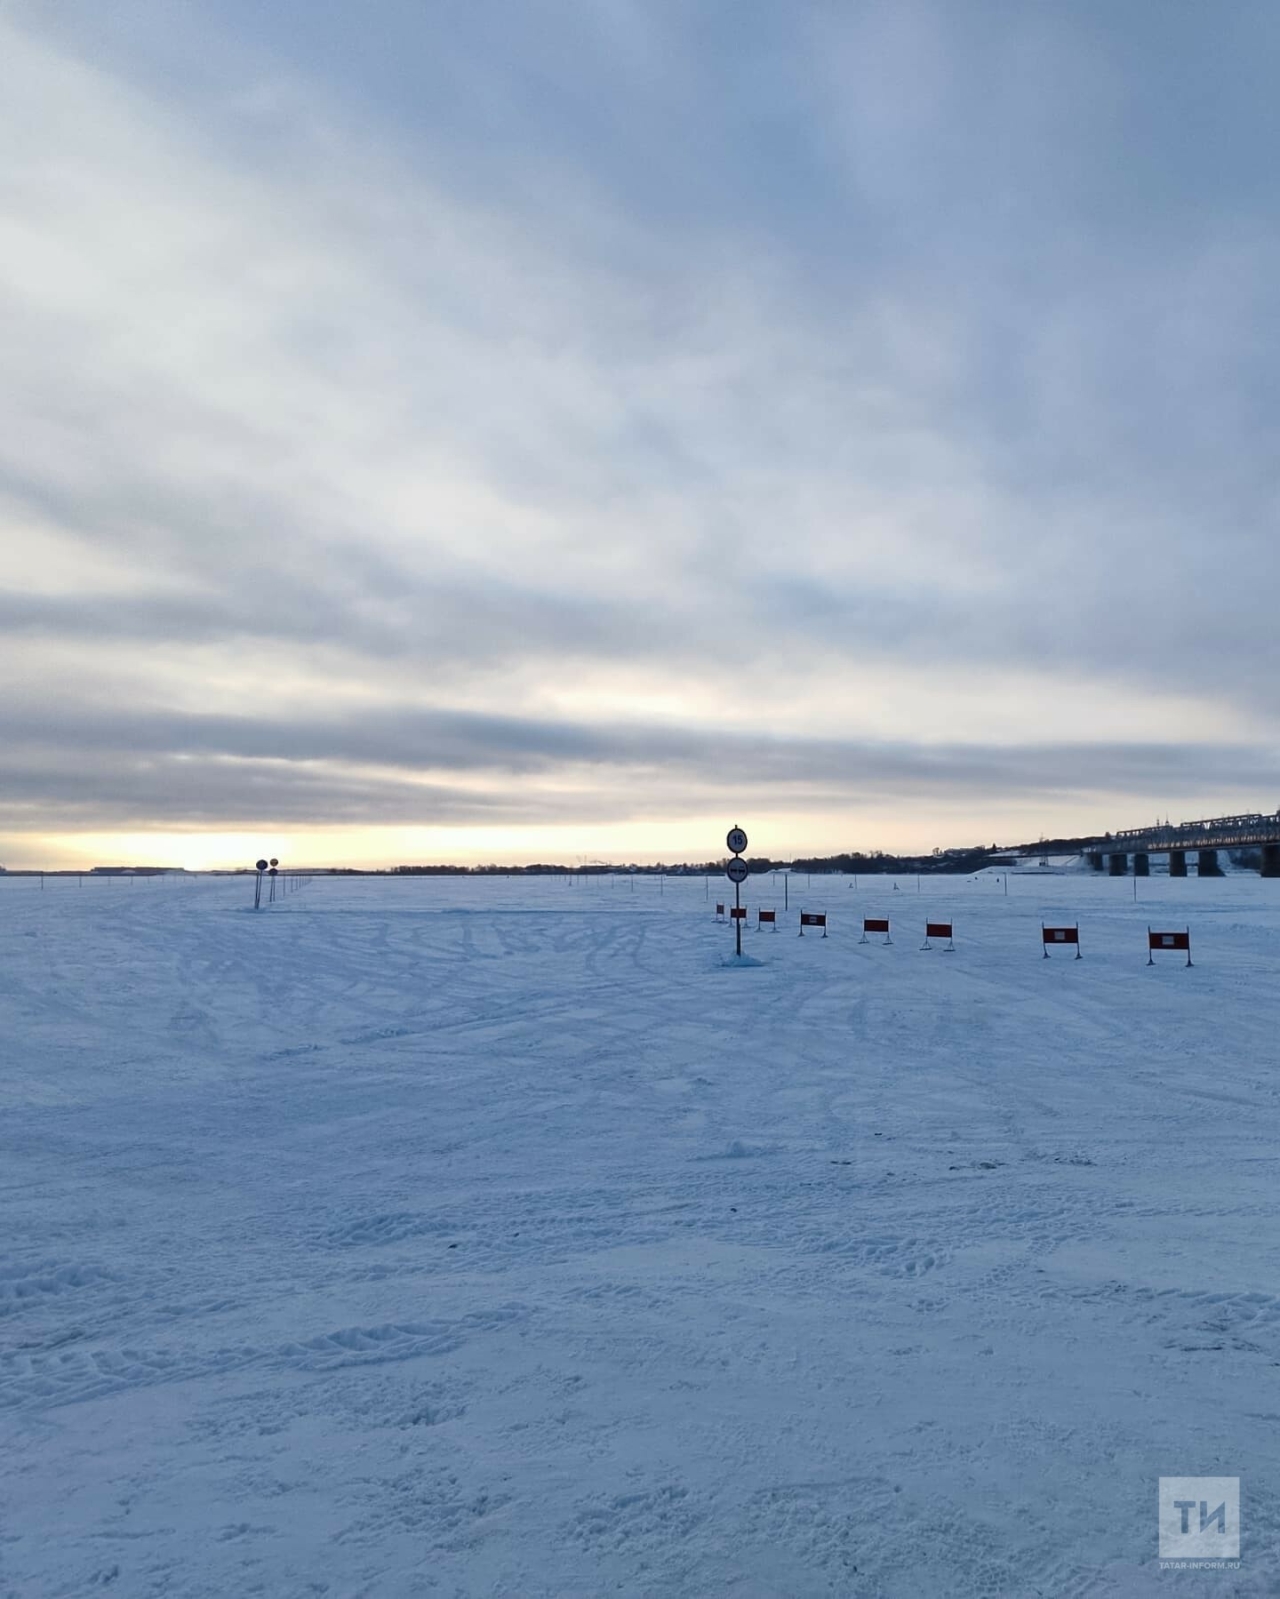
(1253, 823)
(1210, 833)
(1217, 832)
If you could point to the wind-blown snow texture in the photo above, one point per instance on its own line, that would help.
(495, 1237)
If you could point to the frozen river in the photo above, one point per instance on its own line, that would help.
(467, 1236)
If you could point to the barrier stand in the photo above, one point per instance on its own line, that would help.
(720, 916)
(738, 913)
(1060, 935)
(813, 919)
(939, 930)
(771, 917)
(875, 924)
(1157, 941)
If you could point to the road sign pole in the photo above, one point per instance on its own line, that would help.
(736, 872)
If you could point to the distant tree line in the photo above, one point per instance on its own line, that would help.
(851, 864)
(550, 869)
(857, 863)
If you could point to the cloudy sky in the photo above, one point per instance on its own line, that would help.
(503, 431)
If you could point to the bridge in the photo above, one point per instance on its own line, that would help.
(1113, 851)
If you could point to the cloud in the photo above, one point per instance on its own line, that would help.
(379, 419)
(433, 768)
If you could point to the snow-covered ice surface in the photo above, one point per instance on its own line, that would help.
(497, 1237)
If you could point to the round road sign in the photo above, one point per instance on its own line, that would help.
(736, 871)
(262, 866)
(737, 840)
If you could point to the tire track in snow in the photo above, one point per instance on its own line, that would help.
(41, 1381)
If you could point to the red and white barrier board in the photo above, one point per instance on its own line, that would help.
(1157, 941)
(1060, 935)
(738, 913)
(767, 919)
(813, 919)
(719, 912)
(875, 924)
(939, 930)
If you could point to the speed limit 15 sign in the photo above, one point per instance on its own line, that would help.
(737, 840)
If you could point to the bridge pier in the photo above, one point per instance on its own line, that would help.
(1252, 840)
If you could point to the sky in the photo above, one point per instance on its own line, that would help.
(441, 432)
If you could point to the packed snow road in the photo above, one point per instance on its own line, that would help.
(497, 1237)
